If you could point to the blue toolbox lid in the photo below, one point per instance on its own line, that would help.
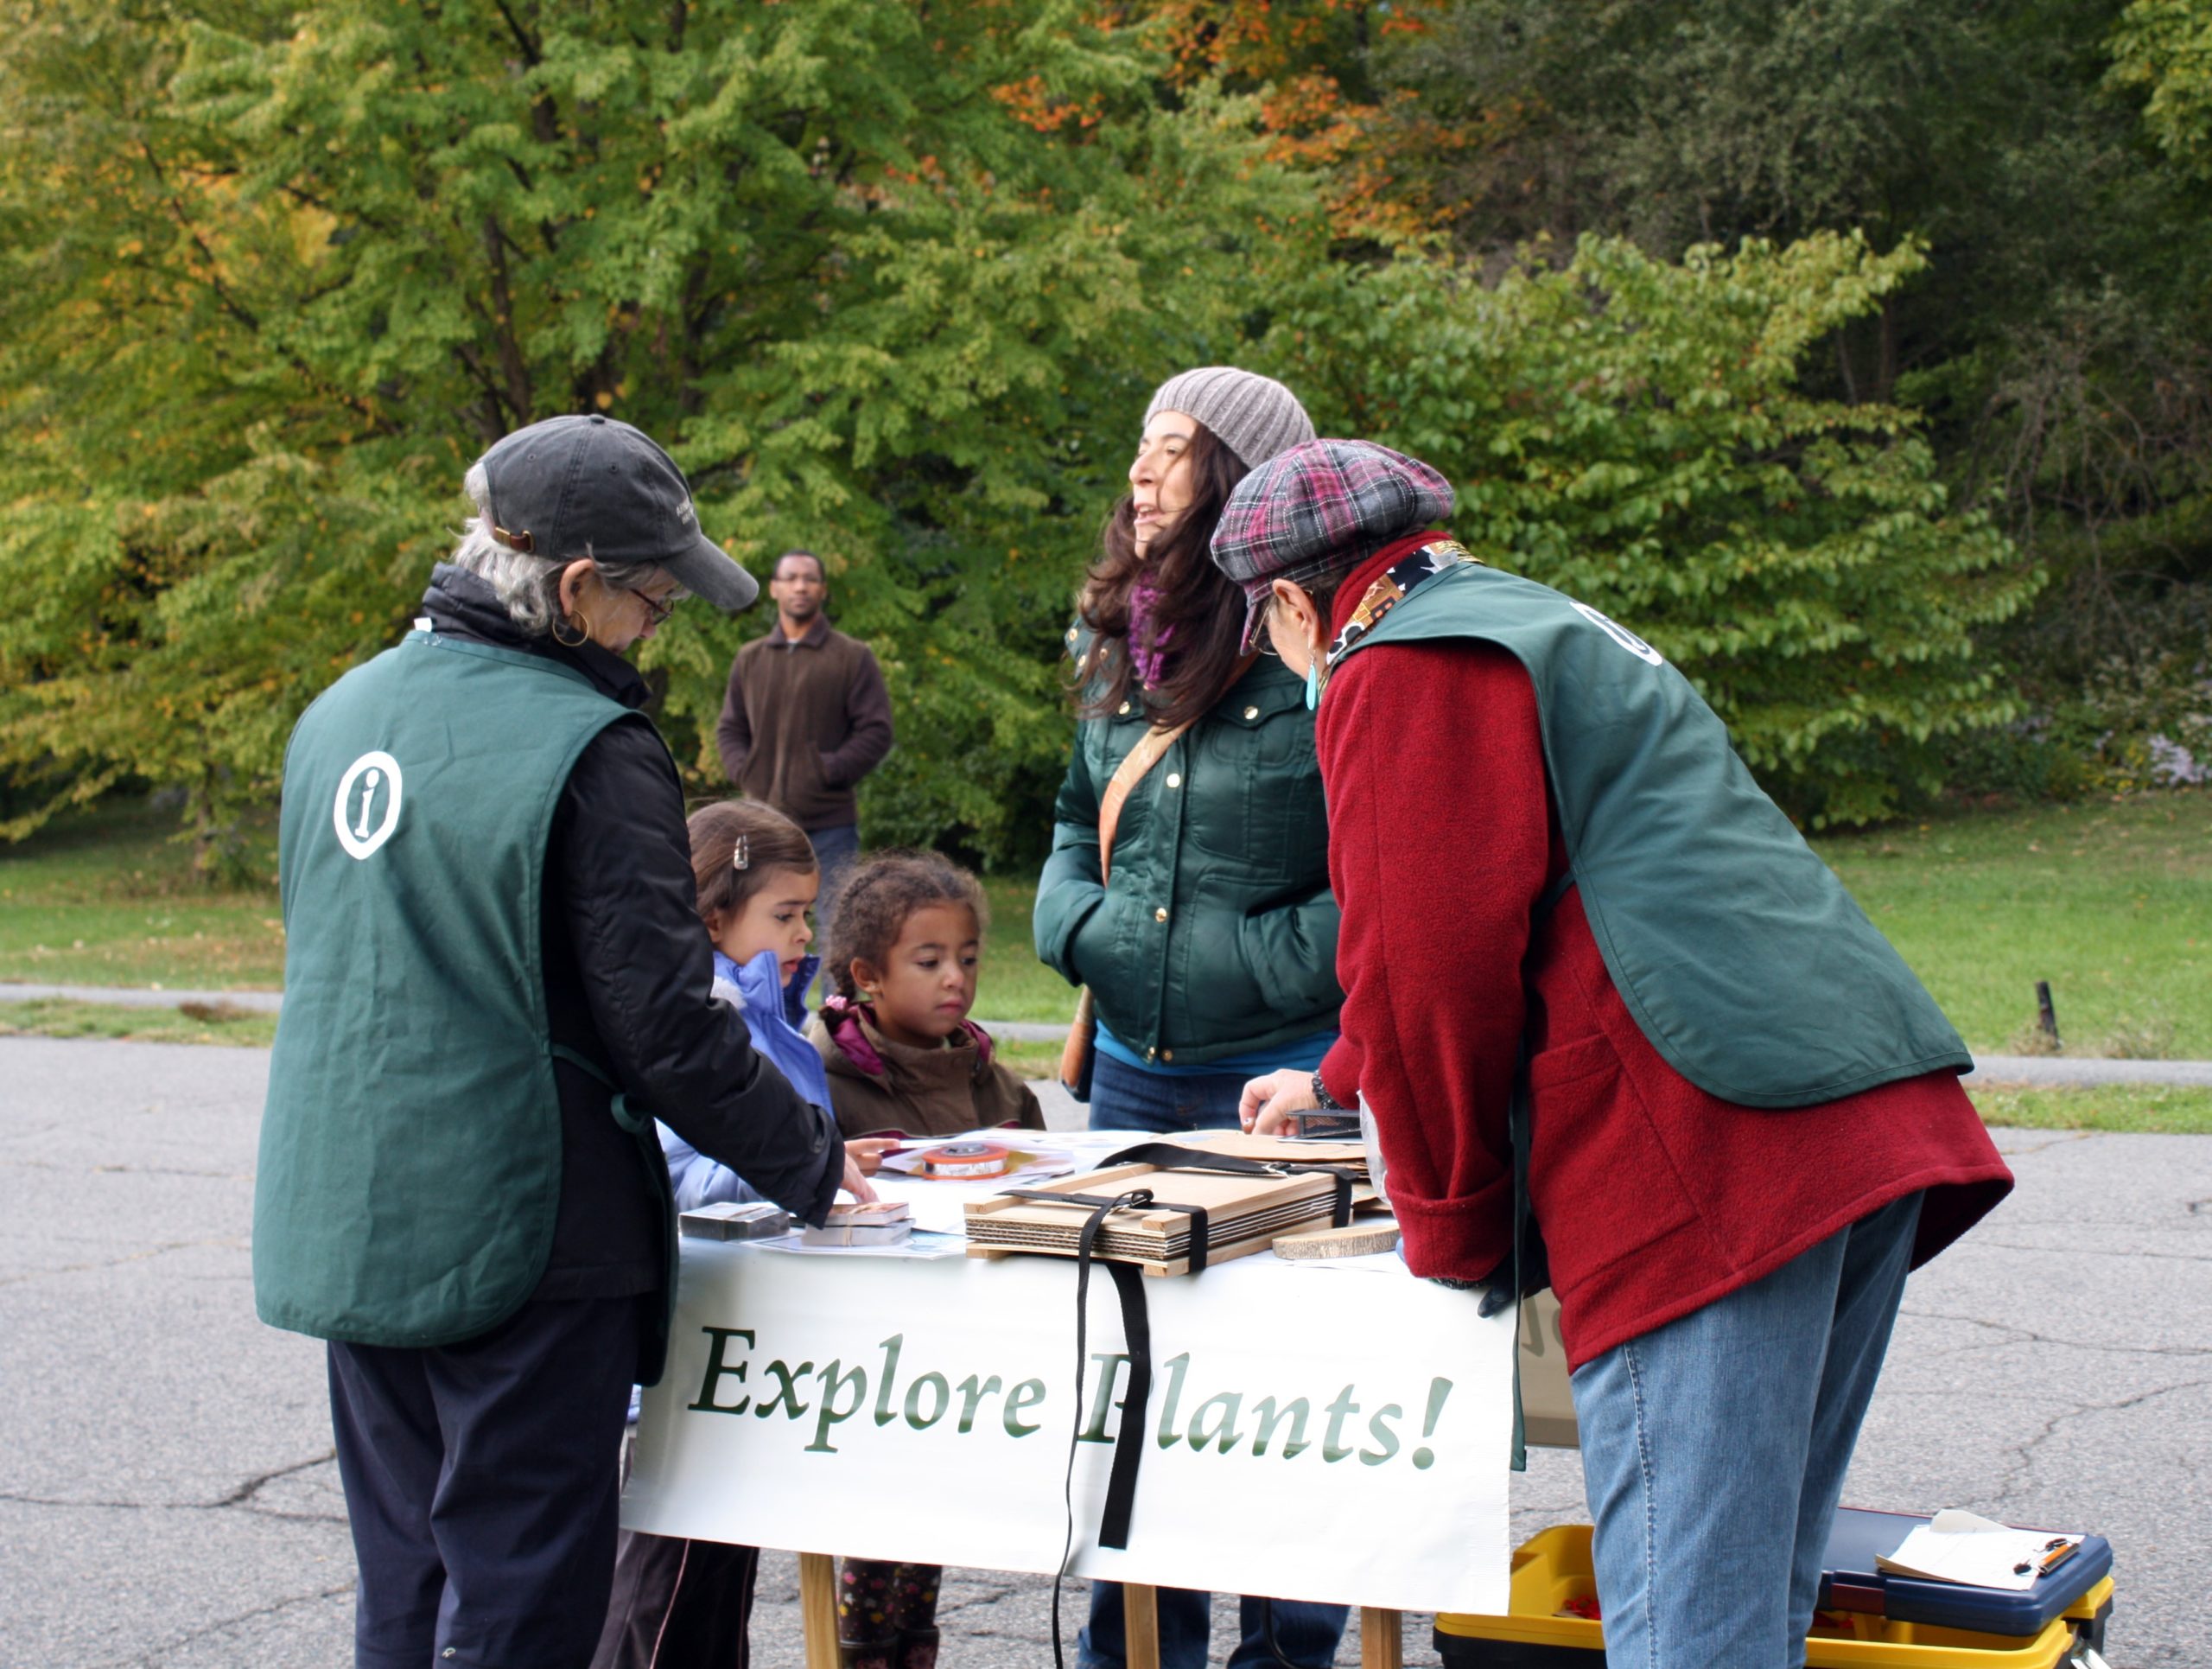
(1850, 1581)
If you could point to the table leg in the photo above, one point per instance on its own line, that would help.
(818, 1609)
(1381, 1638)
(1140, 1626)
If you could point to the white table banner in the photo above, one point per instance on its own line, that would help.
(1326, 1432)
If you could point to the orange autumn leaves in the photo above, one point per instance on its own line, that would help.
(1377, 154)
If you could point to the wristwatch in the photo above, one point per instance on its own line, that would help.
(1325, 1101)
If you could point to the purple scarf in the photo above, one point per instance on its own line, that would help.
(1147, 648)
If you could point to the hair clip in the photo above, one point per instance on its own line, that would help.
(740, 856)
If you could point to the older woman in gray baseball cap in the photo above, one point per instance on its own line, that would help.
(1188, 883)
(492, 969)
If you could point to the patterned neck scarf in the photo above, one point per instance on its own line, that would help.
(1394, 586)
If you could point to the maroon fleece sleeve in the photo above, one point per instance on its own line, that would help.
(1439, 849)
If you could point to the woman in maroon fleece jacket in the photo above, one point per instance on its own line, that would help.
(1726, 1275)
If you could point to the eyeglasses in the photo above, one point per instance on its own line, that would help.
(656, 609)
(1264, 640)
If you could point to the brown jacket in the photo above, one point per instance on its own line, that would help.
(878, 1085)
(804, 723)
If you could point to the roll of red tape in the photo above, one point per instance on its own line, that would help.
(966, 1161)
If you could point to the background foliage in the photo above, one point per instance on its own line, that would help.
(1854, 351)
(1633, 432)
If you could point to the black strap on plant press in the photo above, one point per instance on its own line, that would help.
(1125, 1277)
(1173, 1155)
(1136, 1319)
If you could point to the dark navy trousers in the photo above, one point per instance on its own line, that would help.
(481, 1481)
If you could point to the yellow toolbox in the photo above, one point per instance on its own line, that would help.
(1552, 1570)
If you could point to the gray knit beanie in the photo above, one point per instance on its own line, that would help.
(1254, 416)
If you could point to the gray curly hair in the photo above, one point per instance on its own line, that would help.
(527, 585)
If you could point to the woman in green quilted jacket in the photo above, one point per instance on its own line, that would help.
(1208, 937)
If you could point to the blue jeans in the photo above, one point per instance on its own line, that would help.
(1714, 1450)
(835, 851)
(1309, 1633)
(835, 848)
(1123, 1097)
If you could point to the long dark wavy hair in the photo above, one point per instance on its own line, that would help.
(1202, 608)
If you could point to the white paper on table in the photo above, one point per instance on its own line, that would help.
(1036, 1160)
(1964, 1547)
(921, 1243)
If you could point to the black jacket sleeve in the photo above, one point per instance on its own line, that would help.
(621, 863)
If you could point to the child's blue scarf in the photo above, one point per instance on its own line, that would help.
(775, 1013)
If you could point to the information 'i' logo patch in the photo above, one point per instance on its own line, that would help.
(367, 807)
(1620, 634)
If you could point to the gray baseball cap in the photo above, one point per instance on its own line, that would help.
(573, 485)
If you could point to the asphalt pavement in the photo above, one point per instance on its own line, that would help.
(168, 1497)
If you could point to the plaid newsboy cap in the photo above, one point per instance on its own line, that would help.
(1319, 510)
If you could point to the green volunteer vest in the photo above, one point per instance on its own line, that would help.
(411, 1148)
(1738, 952)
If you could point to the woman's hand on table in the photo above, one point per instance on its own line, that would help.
(867, 1151)
(1268, 1101)
(856, 1182)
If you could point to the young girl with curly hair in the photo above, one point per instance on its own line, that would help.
(895, 1038)
(902, 1054)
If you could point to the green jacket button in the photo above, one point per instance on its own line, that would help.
(1160, 914)
(1252, 712)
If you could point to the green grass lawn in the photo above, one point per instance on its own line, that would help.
(2142, 1109)
(2112, 902)
(1012, 983)
(108, 898)
(189, 1022)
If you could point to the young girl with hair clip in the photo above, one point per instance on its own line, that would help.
(677, 1603)
(903, 1056)
(756, 878)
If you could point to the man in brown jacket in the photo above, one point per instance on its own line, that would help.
(806, 717)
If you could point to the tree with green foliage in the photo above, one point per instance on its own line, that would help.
(1633, 432)
(2057, 339)
(2163, 49)
(891, 278)
(894, 279)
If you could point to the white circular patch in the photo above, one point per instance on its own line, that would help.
(367, 807)
(1620, 634)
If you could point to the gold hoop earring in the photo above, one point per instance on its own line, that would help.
(583, 632)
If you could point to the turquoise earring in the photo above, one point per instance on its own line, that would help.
(1313, 684)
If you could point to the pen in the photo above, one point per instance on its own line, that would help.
(2055, 1553)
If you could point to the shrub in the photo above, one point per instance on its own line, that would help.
(1634, 433)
